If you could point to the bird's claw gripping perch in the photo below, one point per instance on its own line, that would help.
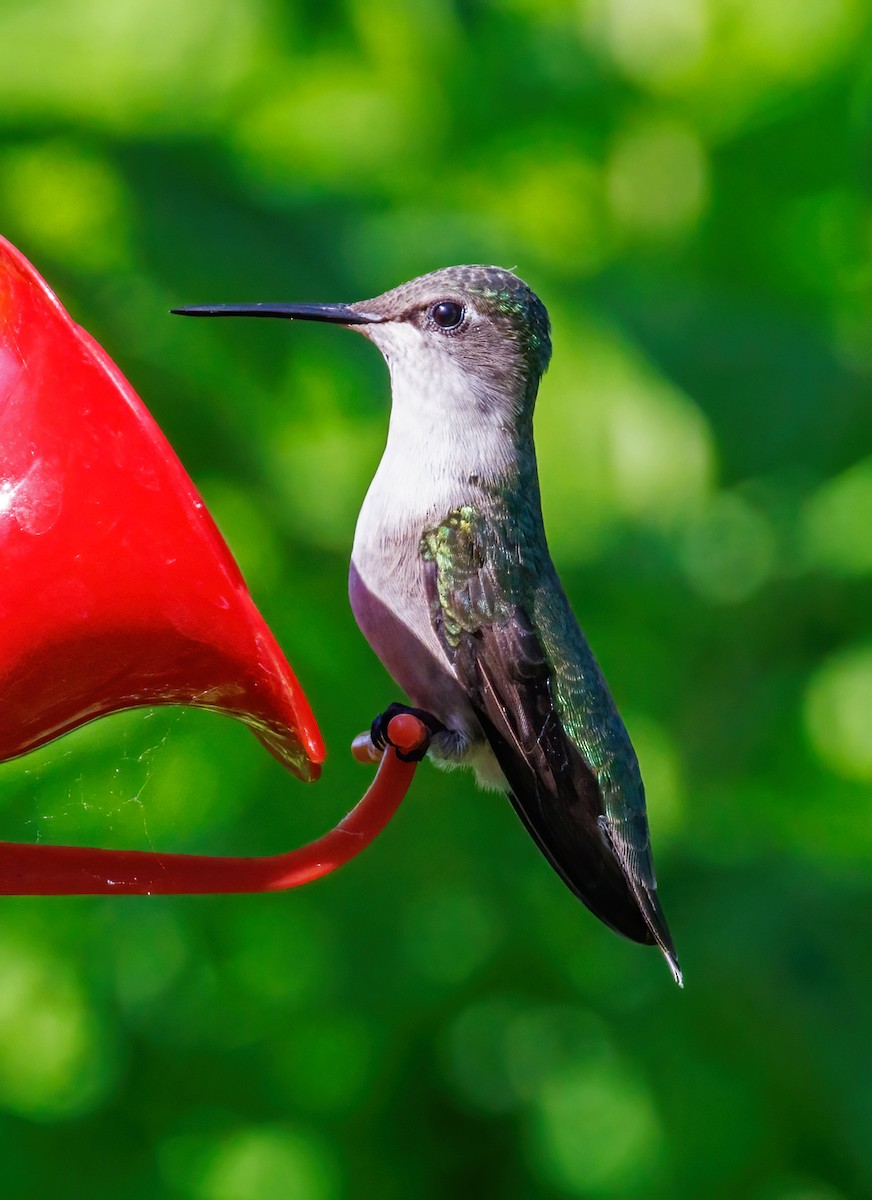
(388, 729)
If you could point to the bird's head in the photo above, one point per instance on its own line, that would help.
(473, 333)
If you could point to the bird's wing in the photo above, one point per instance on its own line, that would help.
(594, 837)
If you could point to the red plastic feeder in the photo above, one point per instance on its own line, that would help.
(118, 591)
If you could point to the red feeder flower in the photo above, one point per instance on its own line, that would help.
(118, 591)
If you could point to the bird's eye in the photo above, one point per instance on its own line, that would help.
(447, 314)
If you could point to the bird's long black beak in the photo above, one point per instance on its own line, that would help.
(336, 314)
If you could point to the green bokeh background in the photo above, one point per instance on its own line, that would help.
(686, 185)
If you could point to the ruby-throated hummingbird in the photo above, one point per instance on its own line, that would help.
(452, 584)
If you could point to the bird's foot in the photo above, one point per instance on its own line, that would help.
(379, 731)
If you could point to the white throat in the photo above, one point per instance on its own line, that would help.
(446, 437)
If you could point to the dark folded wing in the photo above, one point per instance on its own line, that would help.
(597, 844)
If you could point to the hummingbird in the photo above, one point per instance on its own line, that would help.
(452, 583)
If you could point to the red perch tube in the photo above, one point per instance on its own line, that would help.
(27, 870)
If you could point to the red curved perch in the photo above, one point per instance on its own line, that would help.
(41, 870)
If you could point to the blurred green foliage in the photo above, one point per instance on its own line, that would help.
(686, 185)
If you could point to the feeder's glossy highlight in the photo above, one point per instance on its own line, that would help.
(117, 588)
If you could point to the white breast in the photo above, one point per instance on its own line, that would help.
(440, 445)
